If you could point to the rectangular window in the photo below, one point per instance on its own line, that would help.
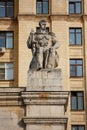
(78, 127)
(6, 8)
(6, 71)
(38, 29)
(75, 6)
(76, 68)
(6, 39)
(75, 36)
(42, 6)
(77, 100)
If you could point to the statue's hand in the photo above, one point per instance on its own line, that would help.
(51, 49)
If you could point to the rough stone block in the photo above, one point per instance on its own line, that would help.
(44, 80)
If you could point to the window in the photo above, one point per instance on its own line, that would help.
(6, 8)
(76, 68)
(6, 39)
(78, 127)
(77, 101)
(6, 71)
(38, 29)
(75, 6)
(75, 35)
(42, 6)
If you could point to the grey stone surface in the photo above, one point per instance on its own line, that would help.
(9, 120)
(44, 80)
(43, 45)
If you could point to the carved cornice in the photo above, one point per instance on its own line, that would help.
(10, 96)
(52, 121)
(45, 98)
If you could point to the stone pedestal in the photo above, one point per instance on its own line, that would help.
(45, 100)
(44, 80)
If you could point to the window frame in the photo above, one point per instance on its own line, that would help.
(47, 29)
(6, 9)
(77, 97)
(75, 34)
(76, 68)
(77, 126)
(42, 12)
(4, 68)
(5, 33)
(74, 3)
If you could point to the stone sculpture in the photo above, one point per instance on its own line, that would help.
(43, 45)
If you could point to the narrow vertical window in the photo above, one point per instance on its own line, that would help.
(75, 6)
(6, 8)
(75, 36)
(42, 6)
(6, 40)
(76, 68)
(77, 100)
(6, 71)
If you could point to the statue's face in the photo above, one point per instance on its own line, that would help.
(43, 25)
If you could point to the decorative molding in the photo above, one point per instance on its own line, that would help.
(45, 98)
(52, 121)
(10, 96)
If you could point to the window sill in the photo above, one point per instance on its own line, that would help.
(42, 15)
(76, 77)
(6, 80)
(7, 18)
(75, 45)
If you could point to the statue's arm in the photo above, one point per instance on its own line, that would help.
(55, 43)
(29, 41)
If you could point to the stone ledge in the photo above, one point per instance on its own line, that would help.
(45, 98)
(11, 96)
(28, 120)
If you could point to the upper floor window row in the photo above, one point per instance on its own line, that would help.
(6, 8)
(75, 6)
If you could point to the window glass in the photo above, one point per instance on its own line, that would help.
(9, 71)
(75, 36)
(78, 8)
(72, 39)
(2, 39)
(79, 71)
(79, 61)
(75, 6)
(39, 7)
(71, 8)
(9, 40)
(45, 8)
(72, 70)
(6, 8)
(74, 128)
(74, 103)
(6, 71)
(81, 128)
(78, 39)
(80, 103)
(6, 39)
(2, 9)
(77, 100)
(42, 6)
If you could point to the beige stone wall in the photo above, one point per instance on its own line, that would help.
(10, 55)
(59, 6)
(21, 55)
(26, 7)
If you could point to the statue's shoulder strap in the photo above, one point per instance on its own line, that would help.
(51, 33)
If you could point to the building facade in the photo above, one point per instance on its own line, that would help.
(68, 20)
